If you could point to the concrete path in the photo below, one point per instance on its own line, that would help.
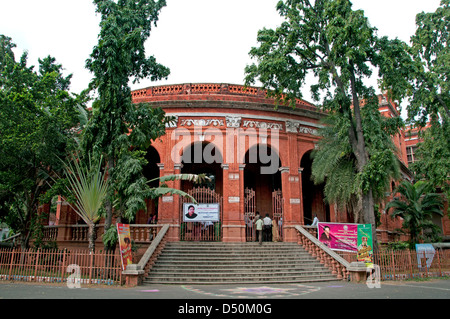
(430, 289)
(231, 301)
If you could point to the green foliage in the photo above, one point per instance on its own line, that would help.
(416, 206)
(336, 44)
(117, 128)
(36, 120)
(433, 156)
(88, 186)
(430, 48)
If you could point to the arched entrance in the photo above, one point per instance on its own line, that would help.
(150, 171)
(313, 197)
(205, 223)
(262, 190)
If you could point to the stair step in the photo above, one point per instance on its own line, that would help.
(216, 262)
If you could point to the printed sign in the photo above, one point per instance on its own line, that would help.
(337, 236)
(365, 244)
(123, 230)
(355, 238)
(201, 212)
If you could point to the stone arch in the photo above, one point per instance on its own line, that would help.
(203, 157)
(151, 171)
(312, 195)
(264, 183)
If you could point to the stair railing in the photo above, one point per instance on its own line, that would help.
(135, 273)
(339, 267)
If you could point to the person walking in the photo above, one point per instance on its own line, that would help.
(267, 228)
(259, 229)
(315, 221)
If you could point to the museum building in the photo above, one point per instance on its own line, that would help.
(257, 157)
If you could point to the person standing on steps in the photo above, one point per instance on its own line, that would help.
(259, 230)
(315, 221)
(267, 228)
(257, 216)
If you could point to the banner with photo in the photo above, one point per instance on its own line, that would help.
(365, 243)
(201, 212)
(338, 236)
(123, 231)
(355, 238)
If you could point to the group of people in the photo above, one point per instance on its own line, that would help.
(266, 228)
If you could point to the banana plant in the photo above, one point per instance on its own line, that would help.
(164, 190)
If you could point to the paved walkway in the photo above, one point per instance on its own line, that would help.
(230, 301)
(430, 289)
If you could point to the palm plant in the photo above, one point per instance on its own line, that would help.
(89, 187)
(416, 206)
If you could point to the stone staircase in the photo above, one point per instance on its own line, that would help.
(222, 263)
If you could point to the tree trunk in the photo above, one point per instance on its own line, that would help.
(362, 158)
(91, 236)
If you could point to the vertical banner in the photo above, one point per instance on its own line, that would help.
(338, 236)
(365, 243)
(123, 230)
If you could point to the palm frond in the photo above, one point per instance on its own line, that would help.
(89, 187)
(196, 178)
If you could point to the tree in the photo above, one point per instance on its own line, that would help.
(430, 48)
(430, 96)
(339, 47)
(89, 188)
(416, 206)
(335, 165)
(36, 120)
(432, 157)
(118, 129)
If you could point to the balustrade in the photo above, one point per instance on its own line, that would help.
(338, 265)
(140, 233)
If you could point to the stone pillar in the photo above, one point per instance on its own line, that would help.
(233, 220)
(300, 195)
(169, 205)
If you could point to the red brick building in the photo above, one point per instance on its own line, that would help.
(257, 157)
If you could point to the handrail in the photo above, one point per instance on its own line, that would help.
(151, 249)
(325, 248)
(355, 271)
(138, 270)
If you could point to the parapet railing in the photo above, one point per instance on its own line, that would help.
(339, 267)
(136, 272)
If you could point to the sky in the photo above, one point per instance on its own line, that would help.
(201, 41)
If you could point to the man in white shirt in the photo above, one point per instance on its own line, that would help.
(267, 228)
(315, 221)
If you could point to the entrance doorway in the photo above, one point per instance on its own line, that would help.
(202, 230)
(263, 193)
(207, 225)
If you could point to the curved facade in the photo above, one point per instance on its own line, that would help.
(256, 154)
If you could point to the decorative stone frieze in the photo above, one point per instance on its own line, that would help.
(202, 122)
(297, 127)
(233, 121)
(264, 125)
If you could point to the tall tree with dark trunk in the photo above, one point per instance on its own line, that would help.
(118, 129)
(37, 114)
(339, 47)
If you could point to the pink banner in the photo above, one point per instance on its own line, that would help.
(337, 236)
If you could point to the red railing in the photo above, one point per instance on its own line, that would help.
(409, 264)
(55, 266)
(140, 233)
